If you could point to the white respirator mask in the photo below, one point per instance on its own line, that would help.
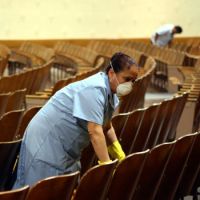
(123, 89)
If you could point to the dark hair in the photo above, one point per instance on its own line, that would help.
(119, 62)
(178, 29)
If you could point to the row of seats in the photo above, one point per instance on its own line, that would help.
(43, 53)
(108, 49)
(33, 79)
(191, 77)
(67, 59)
(191, 73)
(12, 101)
(31, 55)
(168, 171)
(62, 52)
(14, 123)
(144, 128)
(170, 56)
(60, 47)
(191, 46)
(83, 56)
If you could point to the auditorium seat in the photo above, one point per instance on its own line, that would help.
(26, 118)
(94, 183)
(192, 169)
(17, 100)
(8, 154)
(153, 167)
(126, 130)
(146, 130)
(172, 115)
(3, 102)
(56, 187)
(150, 126)
(172, 173)
(126, 176)
(8, 125)
(18, 194)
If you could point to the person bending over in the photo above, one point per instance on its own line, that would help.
(76, 115)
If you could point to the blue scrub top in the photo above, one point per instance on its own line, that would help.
(57, 134)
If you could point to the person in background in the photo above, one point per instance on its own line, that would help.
(76, 115)
(164, 35)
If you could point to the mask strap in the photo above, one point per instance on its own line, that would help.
(114, 72)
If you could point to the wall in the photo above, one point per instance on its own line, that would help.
(64, 19)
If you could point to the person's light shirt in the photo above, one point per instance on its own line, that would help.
(165, 35)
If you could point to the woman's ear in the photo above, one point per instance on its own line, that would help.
(111, 72)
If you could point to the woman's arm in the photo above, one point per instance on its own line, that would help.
(114, 147)
(110, 135)
(98, 141)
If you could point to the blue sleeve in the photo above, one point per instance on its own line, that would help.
(89, 105)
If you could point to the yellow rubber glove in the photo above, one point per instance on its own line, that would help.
(103, 163)
(115, 150)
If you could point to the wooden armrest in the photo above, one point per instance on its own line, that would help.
(43, 93)
(30, 96)
(191, 99)
(49, 89)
